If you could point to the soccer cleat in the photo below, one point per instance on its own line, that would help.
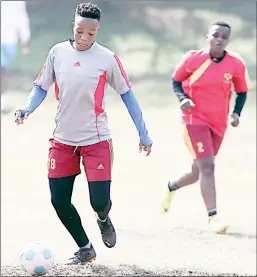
(83, 256)
(108, 232)
(216, 225)
(167, 201)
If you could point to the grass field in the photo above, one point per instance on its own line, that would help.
(148, 243)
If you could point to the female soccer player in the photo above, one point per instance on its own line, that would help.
(203, 83)
(81, 70)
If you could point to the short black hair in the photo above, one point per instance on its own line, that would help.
(88, 10)
(221, 23)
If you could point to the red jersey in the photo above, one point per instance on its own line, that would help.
(209, 85)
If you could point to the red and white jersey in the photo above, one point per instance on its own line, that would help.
(81, 79)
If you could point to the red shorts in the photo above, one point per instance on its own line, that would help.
(201, 141)
(64, 160)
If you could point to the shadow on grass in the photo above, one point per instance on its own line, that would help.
(133, 270)
(120, 270)
(241, 235)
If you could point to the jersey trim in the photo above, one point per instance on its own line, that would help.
(99, 95)
(122, 71)
(199, 71)
(40, 73)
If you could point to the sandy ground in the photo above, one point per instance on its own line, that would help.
(148, 243)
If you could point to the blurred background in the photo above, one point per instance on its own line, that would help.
(149, 36)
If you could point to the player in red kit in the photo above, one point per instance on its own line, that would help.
(203, 82)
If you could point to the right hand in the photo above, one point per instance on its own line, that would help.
(20, 116)
(147, 148)
(186, 105)
(234, 120)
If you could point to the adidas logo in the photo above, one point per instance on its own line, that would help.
(100, 166)
(77, 64)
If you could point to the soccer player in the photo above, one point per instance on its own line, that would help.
(81, 70)
(14, 27)
(203, 83)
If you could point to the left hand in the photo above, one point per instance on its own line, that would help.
(20, 116)
(147, 149)
(234, 120)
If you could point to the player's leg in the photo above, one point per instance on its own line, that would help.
(186, 179)
(63, 167)
(200, 138)
(205, 145)
(215, 223)
(97, 160)
(199, 141)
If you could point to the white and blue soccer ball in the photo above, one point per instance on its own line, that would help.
(36, 259)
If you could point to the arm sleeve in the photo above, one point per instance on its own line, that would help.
(241, 78)
(135, 112)
(177, 87)
(182, 70)
(22, 20)
(117, 77)
(240, 102)
(36, 97)
(46, 78)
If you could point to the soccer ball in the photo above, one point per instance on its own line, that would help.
(36, 259)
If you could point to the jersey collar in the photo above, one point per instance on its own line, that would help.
(71, 45)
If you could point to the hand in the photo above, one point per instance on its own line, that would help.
(186, 105)
(20, 115)
(234, 120)
(25, 50)
(147, 149)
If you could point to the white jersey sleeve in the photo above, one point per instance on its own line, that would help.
(46, 76)
(117, 77)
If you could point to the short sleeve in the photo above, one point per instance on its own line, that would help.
(182, 69)
(117, 77)
(241, 78)
(45, 78)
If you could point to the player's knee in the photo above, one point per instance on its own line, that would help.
(101, 206)
(61, 190)
(60, 206)
(195, 177)
(195, 172)
(100, 196)
(57, 205)
(207, 166)
(102, 209)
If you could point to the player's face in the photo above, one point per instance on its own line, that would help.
(85, 30)
(218, 37)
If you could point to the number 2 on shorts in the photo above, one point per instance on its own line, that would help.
(200, 147)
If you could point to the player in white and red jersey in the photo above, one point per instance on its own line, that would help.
(81, 70)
